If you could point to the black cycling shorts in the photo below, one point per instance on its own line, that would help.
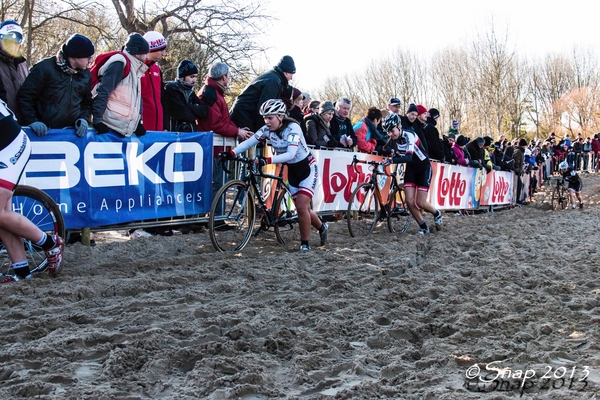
(418, 176)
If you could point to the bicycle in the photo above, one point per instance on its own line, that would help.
(560, 195)
(240, 200)
(372, 206)
(40, 209)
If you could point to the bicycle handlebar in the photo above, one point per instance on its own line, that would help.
(256, 169)
(372, 163)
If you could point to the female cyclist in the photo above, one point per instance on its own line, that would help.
(406, 148)
(575, 183)
(15, 150)
(285, 135)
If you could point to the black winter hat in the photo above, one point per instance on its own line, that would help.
(287, 65)
(434, 113)
(461, 140)
(78, 46)
(412, 107)
(522, 142)
(186, 68)
(487, 141)
(136, 44)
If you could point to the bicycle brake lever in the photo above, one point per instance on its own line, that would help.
(224, 163)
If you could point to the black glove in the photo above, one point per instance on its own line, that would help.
(262, 161)
(140, 130)
(101, 128)
(227, 155)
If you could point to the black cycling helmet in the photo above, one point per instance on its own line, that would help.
(390, 122)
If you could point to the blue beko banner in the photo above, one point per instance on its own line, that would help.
(108, 179)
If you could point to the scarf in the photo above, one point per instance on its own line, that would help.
(64, 65)
(325, 123)
(373, 129)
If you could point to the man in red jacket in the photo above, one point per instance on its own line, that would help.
(218, 119)
(152, 83)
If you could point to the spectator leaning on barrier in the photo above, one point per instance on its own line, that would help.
(13, 67)
(433, 136)
(57, 91)
(182, 106)
(367, 136)
(341, 126)
(152, 83)
(458, 148)
(270, 85)
(117, 98)
(475, 149)
(447, 143)
(317, 126)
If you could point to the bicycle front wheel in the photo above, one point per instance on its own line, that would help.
(232, 216)
(363, 210)
(398, 214)
(285, 218)
(39, 208)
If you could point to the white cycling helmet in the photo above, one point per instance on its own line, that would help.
(390, 122)
(563, 165)
(273, 107)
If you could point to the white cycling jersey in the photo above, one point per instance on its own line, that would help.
(289, 148)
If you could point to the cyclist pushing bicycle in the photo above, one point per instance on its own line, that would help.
(287, 139)
(15, 150)
(406, 148)
(574, 181)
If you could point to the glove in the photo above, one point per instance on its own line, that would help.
(227, 155)
(101, 128)
(81, 127)
(262, 161)
(140, 130)
(39, 128)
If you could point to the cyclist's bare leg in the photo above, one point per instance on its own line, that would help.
(409, 192)
(14, 227)
(306, 216)
(423, 203)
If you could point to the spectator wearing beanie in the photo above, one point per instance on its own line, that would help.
(182, 107)
(152, 83)
(432, 135)
(13, 67)
(318, 124)
(123, 120)
(270, 85)
(56, 93)
(217, 118)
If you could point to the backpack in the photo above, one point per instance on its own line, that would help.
(101, 60)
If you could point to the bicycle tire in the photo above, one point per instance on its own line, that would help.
(284, 217)
(39, 208)
(555, 199)
(564, 197)
(398, 214)
(231, 230)
(363, 216)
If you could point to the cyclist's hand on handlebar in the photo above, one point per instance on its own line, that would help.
(261, 161)
(227, 155)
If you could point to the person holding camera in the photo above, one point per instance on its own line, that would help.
(182, 106)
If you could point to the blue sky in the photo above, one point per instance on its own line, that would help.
(330, 37)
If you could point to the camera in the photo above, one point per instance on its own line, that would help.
(181, 126)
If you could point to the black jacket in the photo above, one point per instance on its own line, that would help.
(269, 85)
(54, 97)
(339, 127)
(182, 107)
(449, 156)
(316, 130)
(13, 72)
(433, 140)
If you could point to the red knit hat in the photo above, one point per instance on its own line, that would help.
(421, 109)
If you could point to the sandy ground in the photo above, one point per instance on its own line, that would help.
(390, 316)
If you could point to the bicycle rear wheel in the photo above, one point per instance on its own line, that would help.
(363, 210)
(39, 208)
(398, 213)
(285, 218)
(558, 202)
(231, 229)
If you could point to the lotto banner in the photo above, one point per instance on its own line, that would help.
(339, 179)
(497, 189)
(100, 180)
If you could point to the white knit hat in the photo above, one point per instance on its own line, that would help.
(156, 41)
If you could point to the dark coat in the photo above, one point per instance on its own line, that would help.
(13, 72)
(338, 127)
(269, 85)
(52, 96)
(316, 131)
(433, 140)
(182, 107)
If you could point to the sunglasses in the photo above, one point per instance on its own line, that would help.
(14, 36)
